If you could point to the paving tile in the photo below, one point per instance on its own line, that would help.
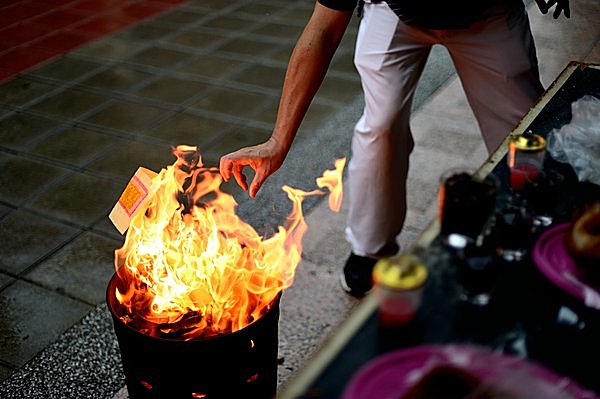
(144, 32)
(58, 18)
(126, 116)
(169, 2)
(74, 145)
(6, 46)
(346, 46)
(7, 21)
(282, 54)
(285, 32)
(185, 128)
(422, 168)
(4, 110)
(82, 199)
(21, 177)
(421, 194)
(315, 117)
(24, 57)
(82, 269)
(105, 226)
(140, 10)
(159, 57)
(118, 78)
(102, 25)
(5, 280)
(338, 89)
(34, 317)
(22, 90)
(230, 101)
(5, 372)
(62, 42)
(24, 32)
(259, 10)
(594, 55)
(125, 159)
(212, 67)
(344, 63)
(262, 75)
(109, 49)
(268, 111)
(89, 6)
(212, 4)
(65, 68)
(197, 39)
(22, 11)
(26, 238)
(6, 74)
(171, 89)
(19, 129)
(242, 137)
(69, 103)
(454, 104)
(297, 14)
(181, 16)
(246, 46)
(452, 135)
(4, 210)
(230, 23)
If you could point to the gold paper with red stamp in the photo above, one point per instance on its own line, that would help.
(132, 199)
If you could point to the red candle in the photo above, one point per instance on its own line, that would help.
(521, 174)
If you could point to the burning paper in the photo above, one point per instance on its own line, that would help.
(133, 199)
(191, 267)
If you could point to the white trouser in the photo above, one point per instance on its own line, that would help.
(496, 62)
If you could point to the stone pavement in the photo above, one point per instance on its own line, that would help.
(206, 73)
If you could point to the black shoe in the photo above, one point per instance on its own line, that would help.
(356, 278)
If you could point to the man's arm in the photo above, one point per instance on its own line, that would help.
(305, 73)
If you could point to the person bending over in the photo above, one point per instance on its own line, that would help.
(493, 51)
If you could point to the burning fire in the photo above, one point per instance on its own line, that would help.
(190, 267)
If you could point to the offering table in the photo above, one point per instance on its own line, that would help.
(530, 315)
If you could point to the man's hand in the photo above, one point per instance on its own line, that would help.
(562, 6)
(264, 158)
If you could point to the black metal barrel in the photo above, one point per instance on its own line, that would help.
(234, 365)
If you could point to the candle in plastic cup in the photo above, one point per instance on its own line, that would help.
(525, 159)
(399, 283)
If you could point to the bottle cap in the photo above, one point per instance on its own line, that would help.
(403, 272)
(527, 142)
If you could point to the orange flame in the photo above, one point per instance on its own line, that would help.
(332, 180)
(191, 267)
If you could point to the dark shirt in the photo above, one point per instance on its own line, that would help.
(434, 14)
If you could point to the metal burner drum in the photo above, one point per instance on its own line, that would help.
(234, 365)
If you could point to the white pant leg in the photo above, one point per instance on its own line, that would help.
(498, 69)
(390, 57)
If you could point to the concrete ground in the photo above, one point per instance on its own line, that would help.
(206, 72)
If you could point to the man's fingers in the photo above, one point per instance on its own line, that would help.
(239, 176)
(257, 183)
(225, 166)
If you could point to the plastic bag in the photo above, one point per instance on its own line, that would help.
(578, 142)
